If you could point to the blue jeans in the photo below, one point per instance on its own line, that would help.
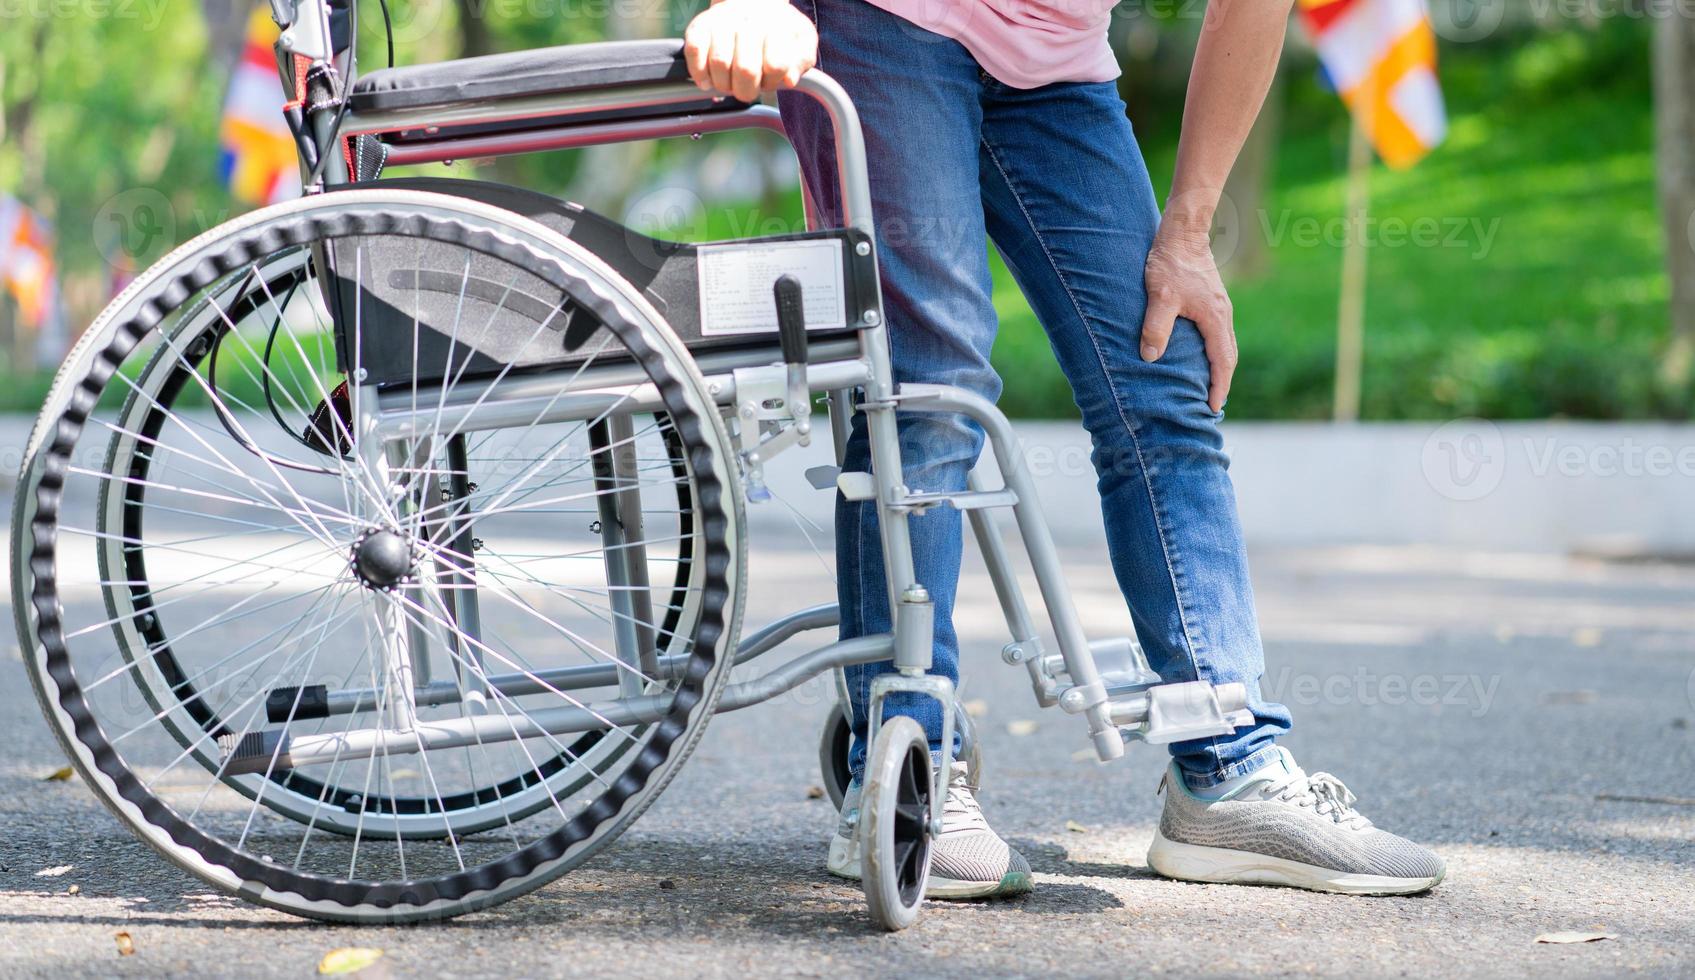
(1054, 177)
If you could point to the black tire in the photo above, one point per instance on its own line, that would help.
(64, 653)
(835, 742)
(894, 823)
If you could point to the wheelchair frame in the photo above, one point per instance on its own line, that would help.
(1132, 702)
(768, 396)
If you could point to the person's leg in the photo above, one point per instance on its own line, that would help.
(918, 99)
(1071, 209)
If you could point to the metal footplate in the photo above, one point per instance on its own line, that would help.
(1137, 702)
(1177, 712)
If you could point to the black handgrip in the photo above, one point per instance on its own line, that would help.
(791, 319)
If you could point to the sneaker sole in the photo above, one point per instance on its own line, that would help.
(844, 862)
(1221, 865)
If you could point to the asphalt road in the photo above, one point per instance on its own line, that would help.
(1529, 716)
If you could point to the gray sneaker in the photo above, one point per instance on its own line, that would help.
(969, 860)
(1285, 828)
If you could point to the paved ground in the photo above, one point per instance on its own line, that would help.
(1529, 716)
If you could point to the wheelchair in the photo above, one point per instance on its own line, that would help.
(379, 556)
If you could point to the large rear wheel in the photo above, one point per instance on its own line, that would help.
(364, 648)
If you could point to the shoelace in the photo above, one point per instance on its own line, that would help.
(1327, 795)
(960, 809)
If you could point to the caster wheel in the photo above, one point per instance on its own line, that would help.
(833, 749)
(837, 740)
(894, 827)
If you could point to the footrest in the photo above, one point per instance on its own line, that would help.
(960, 500)
(1168, 713)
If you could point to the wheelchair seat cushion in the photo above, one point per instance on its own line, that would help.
(541, 71)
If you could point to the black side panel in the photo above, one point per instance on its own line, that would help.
(475, 315)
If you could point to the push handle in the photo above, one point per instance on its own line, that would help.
(791, 319)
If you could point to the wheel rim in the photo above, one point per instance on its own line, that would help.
(53, 487)
(302, 793)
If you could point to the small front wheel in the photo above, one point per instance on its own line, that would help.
(836, 743)
(894, 829)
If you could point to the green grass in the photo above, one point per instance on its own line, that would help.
(1556, 308)
(1542, 294)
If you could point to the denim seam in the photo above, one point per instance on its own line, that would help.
(1123, 416)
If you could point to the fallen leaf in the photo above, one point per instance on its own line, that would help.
(1627, 798)
(55, 871)
(126, 945)
(1020, 727)
(1076, 827)
(1574, 937)
(404, 774)
(976, 707)
(815, 792)
(74, 890)
(348, 959)
(59, 775)
(1588, 636)
(667, 884)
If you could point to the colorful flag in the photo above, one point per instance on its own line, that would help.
(258, 161)
(26, 262)
(1381, 57)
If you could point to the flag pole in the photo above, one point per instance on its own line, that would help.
(1350, 305)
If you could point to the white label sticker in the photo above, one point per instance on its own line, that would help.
(736, 283)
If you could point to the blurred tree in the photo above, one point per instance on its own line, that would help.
(1674, 101)
(474, 39)
(1246, 188)
(608, 174)
(226, 26)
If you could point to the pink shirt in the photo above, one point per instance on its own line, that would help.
(1024, 43)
